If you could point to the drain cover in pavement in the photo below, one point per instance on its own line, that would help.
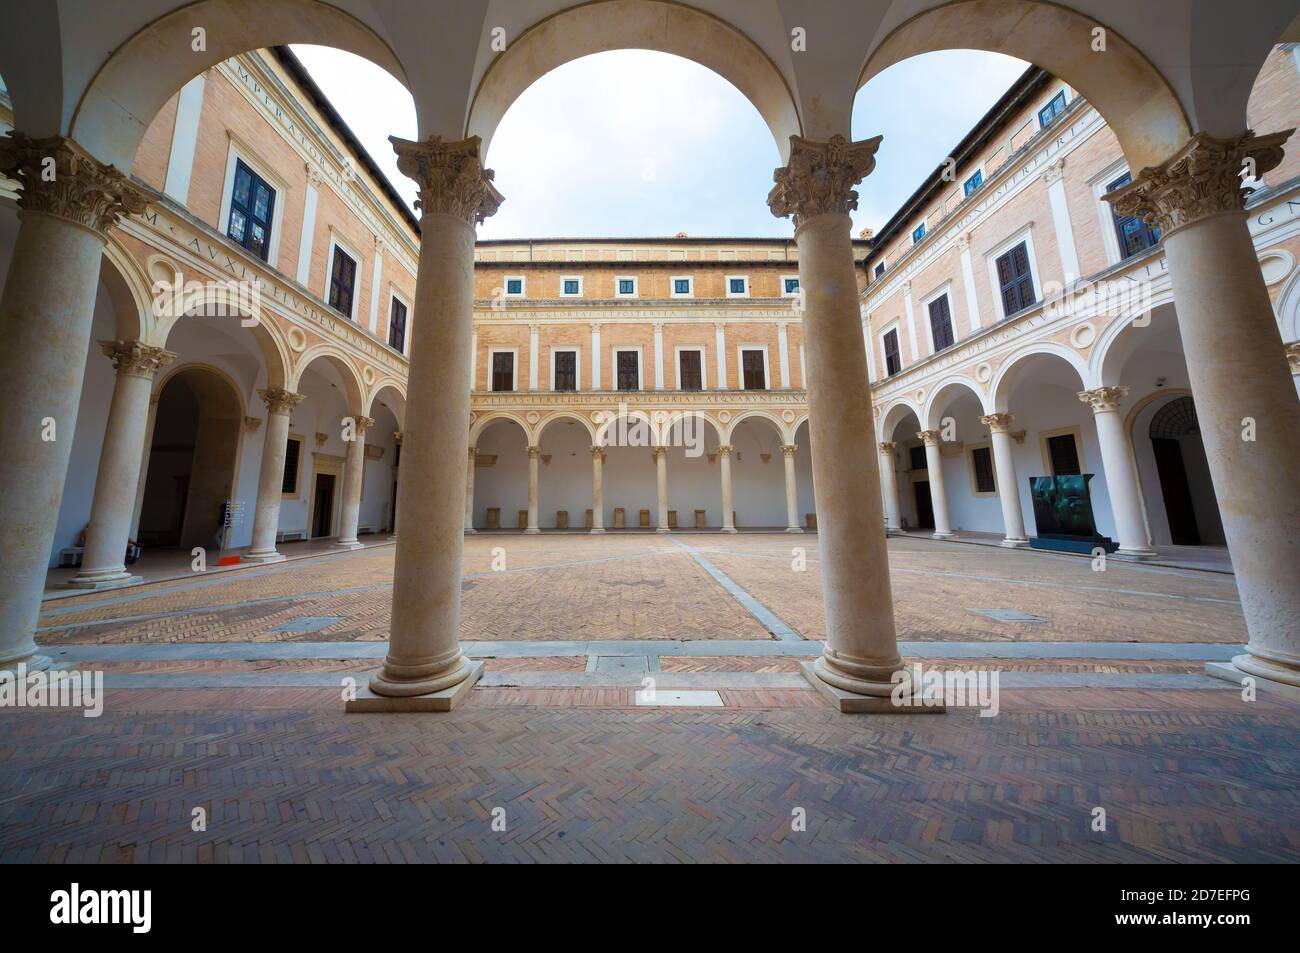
(662, 698)
(308, 623)
(1008, 615)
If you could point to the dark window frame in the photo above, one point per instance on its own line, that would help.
(693, 376)
(918, 233)
(760, 369)
(1059, 440)
(1016, 279)
(880, 268)
(498, 374)
(341, 291)
(564, 379)
(1132, 234)
(621, 373)
(246, 208)
(292, 457)
(397, 324)
(941, 329)
(893, 357)
(1055, 106)
(977, 177)
(982, 469)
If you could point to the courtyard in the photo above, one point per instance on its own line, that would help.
(225, 691)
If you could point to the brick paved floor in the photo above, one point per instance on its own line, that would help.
(1185, 769)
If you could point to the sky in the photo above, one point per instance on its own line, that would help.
(636, 143)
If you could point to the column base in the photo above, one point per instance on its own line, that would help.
(1123, 553)
(794, 529)
(532, 531)
(271, 556)
(1269, 676)
(728, 529)
(440, 699)
(469, 531)
(1014, 542)
(597, 530)
(114, 580)
(31, 663)
(943, 535)
(879, 698)
(662, 529)
(348, 544)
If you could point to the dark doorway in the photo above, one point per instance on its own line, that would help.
(1176, 492)
(924, 508)
(323, 505)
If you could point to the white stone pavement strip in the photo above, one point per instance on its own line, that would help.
(765, 616)
(760, 681)
(710, 648)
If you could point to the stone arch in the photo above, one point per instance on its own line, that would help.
(943, 394)
(1125, 87)
(604, 25)
(1005, 377)
(128, 289)
(1288, 309)
(204, 368)
(565, 415)
(893, 415)
(783, 433)
(132, 85)
(353, 388)
(1120, 338)
(395, 387)
(482, 423)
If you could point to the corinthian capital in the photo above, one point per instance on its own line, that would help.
(451, 177)
(929, 437)
(135, 359)
(998, 423)
(1103, 399)
(280, 401)
(820, 177)
(1293, 356)
(60, 178)
(887, 446)
(1202, 179)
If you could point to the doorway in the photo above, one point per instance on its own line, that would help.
(1183, 473)
(924, 506)
(322, 513)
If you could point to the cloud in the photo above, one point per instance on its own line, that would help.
(639, 143)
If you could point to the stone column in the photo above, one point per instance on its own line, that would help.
(1004, 470)
(280, 404)
(598, 489)
(791, 490)
(397, 441)
(1245, 398)
(143, 479)
(938, 495)
(45, 311)
(861, 653)
(424, 654)
(1121, 471)
(724, 464)
(353, 476)
(661, 485)
(889, 481)
(534, 455)
(469, 489)
(103, 562)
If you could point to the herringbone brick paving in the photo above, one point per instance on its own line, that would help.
(1193, 776)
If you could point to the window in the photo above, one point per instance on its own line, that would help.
(893, 363)
(941, 323)
(292, 453)
(343, 281)
(397, 325)
(566, 370)
(1047, 115)
(753, 371)
(570, 286)
(880, 268)
(1134, 234)
(918, 458)
(252, 205)
(1015, 283)
(503, 370)
(690, 370)
(514, 286)
(625, 287)
(683, 287)
(974, 182)
(737, 286)
(918, 233)
(628, 369)
(1064, 454)
(790, 285)
(981, 461)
